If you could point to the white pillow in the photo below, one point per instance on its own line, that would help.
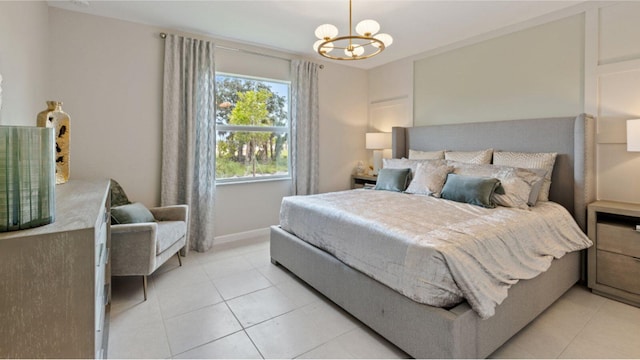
(544, 161)
(429, 178)
(471, 157)
(400, 164)
(425, 155)
(516, 182)
(406, 163)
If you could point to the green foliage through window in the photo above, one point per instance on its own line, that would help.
(252, 121)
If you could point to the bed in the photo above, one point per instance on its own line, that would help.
(425, 331)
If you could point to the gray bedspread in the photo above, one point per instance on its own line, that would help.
(434, 251)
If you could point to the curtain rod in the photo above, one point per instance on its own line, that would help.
(164, 36)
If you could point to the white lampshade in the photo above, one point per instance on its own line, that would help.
(633, 135)
(327, 48)
(378, 141)
(367, 27)
(385, 38)
(326, 31)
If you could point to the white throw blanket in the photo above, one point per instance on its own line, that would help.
(435, 251)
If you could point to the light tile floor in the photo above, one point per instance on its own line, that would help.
(231, 302)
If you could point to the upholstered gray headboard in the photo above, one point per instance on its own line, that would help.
(573, 178)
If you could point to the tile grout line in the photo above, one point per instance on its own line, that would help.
(580, 331)
(244, 330)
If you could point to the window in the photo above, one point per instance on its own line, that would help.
(252, 129)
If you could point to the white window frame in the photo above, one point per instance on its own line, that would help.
(263, 129)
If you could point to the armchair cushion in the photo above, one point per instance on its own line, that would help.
(168, 233)
(131, 213)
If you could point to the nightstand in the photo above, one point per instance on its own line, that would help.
(360, 181)
(614, 258)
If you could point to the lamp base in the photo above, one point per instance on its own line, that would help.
(377, 161)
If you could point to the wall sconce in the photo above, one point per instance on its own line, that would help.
(377, 142)
(27, 177)
(633, 135)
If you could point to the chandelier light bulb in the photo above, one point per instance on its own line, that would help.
(355, 51)
(327, 48)
(385, 38)
(326, 32)
(367, 27)
(316, 45)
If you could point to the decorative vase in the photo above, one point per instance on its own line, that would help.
(54, 117)
(27, 177)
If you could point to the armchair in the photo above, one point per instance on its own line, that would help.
(140, 248)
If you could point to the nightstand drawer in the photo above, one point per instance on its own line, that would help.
(619, 238)
(619, 271)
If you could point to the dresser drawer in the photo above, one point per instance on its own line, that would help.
(619, 238)
(618, 271)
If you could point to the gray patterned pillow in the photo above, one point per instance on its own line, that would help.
(471, 157)
(517, 183)
(118, 196)
(425, 155)
(544, 161)
(429, 178)
(407, 163)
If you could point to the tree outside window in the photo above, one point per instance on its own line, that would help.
(252, 123)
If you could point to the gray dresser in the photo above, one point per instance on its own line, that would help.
(614, 259)
(55, 279)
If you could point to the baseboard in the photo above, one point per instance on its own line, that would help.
(245, 235)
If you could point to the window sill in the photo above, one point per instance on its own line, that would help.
(252, 181)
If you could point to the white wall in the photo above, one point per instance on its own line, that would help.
(532, 73)
(23, 61)
(608, 86)
(615, 59)
(109, 74)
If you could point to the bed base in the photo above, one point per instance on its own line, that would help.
(420, 330)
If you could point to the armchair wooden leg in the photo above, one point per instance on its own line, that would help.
(144, 286)
(179, 259)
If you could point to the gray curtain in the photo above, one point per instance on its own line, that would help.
(305, 127)
(188, 134)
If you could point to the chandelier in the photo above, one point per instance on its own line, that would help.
(356, 47)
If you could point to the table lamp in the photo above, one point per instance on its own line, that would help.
(377, 142)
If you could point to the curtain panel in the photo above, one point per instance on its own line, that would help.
(188, 136)
(305, 139)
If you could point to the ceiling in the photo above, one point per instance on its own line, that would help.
(417, 26)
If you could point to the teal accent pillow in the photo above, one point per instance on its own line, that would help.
(130, 214)
(393, 179)
(470, 190)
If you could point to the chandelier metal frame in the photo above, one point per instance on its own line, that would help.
(356, 47)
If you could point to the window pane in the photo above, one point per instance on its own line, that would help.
(251, 154)
(252, 103)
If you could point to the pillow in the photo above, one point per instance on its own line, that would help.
(429, 178)
(393, 179)
(407, 163)
(131, 213)
(517, 183)
(471, 157)
(425, 155)
(471, 190)
(536, 187)
(118, 196)
(525, 160)
(400, 164)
